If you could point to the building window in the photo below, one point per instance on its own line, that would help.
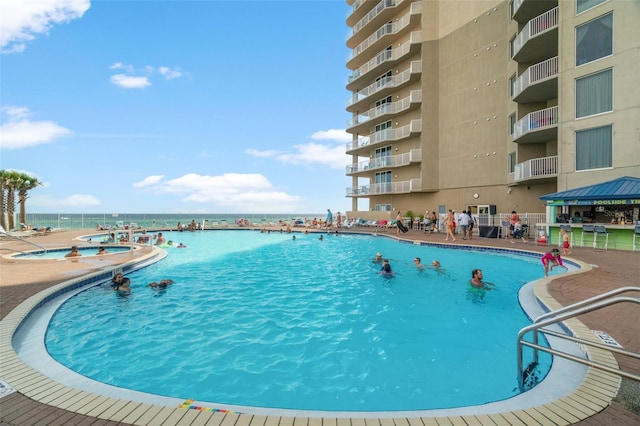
(512, 162)
(512, 123)
(594, 148)
(383, 157)
(512, 85)
(511, 42)
(383, 182)
(382, 207)
(594, 40)
(582, 5)
(594, 94)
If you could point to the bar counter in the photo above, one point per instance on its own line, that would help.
(620, 237)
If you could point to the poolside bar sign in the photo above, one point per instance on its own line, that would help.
(593, 202)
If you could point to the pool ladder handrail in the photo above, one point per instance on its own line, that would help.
(571, 311)
(13, 237)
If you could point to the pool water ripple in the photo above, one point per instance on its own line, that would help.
(303, 324)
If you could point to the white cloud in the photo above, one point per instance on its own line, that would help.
(170, 74)
(262, 153)
(121, 66)
(311, 153)
(234, 191)
(338, 135)
(130, 82)
(23, 20)
(148, 181)
(18, 131)
(72, 201)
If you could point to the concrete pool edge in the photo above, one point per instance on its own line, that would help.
(41, 388)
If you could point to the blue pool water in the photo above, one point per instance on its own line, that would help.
(60, 253)
(263, 320)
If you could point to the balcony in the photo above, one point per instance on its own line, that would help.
(375, 40)
(537, 127)
(538, 83)
(387, 57)
(536, 168)
(381, 12)
(538, 39)
(387, 162)
(365, 143)
(412, 101)
(404, 187)
(525, 10)
(386, 85)
(357, 12)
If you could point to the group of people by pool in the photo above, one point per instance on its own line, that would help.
(550, 260)
(385, 267)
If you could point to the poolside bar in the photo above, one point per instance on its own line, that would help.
(602, 216)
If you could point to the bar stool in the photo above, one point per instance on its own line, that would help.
(586, 230)
(600, 231)
(569, 231)
(636, 234)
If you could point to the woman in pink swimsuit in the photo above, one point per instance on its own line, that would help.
(550, 260)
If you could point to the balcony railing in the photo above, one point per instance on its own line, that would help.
(386, 82)
(536, 168)
(524, 10)
(377, 10)
(404, 159)
(538, 25)
(536, 74)
(386, 135)
(386, 56)
(388, 28)
(535, 121)
(415, 97)
(413, 185)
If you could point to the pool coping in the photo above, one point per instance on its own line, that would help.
(594, 393)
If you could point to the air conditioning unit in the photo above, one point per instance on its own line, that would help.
(600, 209)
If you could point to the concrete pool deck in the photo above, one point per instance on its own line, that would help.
(42, 401)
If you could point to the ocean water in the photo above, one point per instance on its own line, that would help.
(145, 220)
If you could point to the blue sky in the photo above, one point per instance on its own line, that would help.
(176, 106)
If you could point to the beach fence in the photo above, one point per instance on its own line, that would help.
(97, 221)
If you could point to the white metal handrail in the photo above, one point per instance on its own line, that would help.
(571, 311)
(14, 237)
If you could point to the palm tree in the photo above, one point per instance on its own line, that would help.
(4, 186)
(10, 179)
(26, 183)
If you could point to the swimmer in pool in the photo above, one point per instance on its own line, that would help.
(477, 282)
(160, 284)
(378, 258)
(117, 280)
(124, 288)
(75, 252)
(386, 268)
(417, 263)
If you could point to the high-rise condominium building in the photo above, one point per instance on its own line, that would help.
(467, 103)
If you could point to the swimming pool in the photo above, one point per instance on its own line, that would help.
(303, 324)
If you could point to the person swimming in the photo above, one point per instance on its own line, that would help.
(386, 267)
(164, 283)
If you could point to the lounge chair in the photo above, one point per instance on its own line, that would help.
(17, 234)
